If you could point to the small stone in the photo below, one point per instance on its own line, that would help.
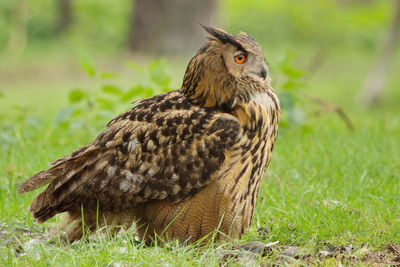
(324, 253)
(259, 247)
(243, 258)
(291, 251)
(31, 243)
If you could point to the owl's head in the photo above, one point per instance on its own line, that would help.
(227, 69)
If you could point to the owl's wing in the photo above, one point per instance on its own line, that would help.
(136, 159)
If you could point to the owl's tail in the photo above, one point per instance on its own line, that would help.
(59, 168)
(62, 177)
(41, 207)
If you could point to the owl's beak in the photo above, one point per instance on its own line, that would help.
(263, 72)
(260, 71)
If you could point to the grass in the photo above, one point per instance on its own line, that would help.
(326, 187)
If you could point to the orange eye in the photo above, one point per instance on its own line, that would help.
(240, 59)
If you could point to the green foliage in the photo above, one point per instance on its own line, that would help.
(102, 24)
(290, 80)
(331, 22)
(95, 106)
(97, 24)
(87, 65)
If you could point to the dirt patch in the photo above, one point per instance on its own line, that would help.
(273, 253)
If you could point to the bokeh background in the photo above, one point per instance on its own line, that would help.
(342, 48)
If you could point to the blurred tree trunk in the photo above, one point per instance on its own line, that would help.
(64, 8)
(169, 26)
(376, 79)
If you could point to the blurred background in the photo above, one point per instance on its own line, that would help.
(320, 52)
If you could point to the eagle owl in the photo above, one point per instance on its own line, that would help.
(180, 165)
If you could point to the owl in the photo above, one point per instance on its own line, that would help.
(184, 165)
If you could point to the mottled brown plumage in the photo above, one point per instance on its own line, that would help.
(181, 164)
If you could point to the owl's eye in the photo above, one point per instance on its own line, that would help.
(240, 59)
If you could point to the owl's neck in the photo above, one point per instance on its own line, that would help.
(208, 87)
(258, 110)
(211, 94)
(227, 94)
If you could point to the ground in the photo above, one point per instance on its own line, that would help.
(330, 196)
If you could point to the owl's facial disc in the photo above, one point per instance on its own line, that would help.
(252, 65)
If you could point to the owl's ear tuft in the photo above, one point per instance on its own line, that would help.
(222, 35)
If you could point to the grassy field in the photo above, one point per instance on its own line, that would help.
(330, 195)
